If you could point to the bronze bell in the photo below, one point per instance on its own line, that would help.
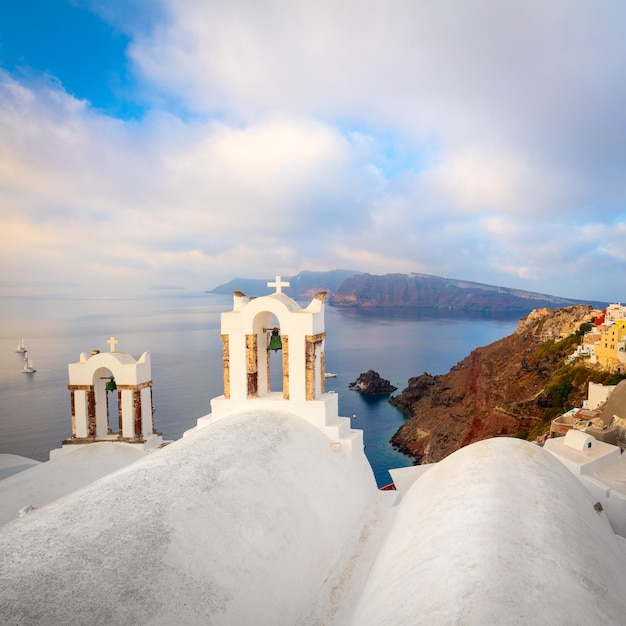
(111, 386)
(275, 342)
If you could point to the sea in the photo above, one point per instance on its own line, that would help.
(181, 331)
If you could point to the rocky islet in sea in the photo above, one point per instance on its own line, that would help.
(370, 382)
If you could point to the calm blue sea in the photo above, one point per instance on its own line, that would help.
(182, 334)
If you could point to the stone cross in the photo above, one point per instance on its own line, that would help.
(112, 342)
(278, 284)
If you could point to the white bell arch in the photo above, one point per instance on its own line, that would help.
(246, 376)
(245, 333)
(88, 379)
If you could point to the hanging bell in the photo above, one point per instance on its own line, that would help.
(111, 386)
(275, 342)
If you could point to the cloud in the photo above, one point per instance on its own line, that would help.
(478, 68)
(90, 192)
(479, 140)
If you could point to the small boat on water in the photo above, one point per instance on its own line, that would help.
(28, 365)
(21, 348)
(330, 375)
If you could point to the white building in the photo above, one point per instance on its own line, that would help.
(615, 312)
(601, 468)
(268, 513)
(597, 395)
(583, 350)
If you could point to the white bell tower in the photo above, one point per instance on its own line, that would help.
(246, 334)
(249, 332)
(107, 383)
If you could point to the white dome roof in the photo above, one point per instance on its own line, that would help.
(256, 519)
(500, 532)
(238, 523)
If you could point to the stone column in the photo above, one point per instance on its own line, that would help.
(309, 371)
(119, 413)
(80, 413)
(137, 414)
(285, 342)
(146, 416)
(91, 412)
(73, 410)
(106, 397)
(154, 430)
(268, 369)
(126, 416)
(312, 348)
(252, 365)
(226, 362)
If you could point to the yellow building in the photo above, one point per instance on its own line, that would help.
(610, 351)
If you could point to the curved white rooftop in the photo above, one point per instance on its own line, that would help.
(238, 523)
(41, 483)
(13, 463)
(500, 532)
(258, 519)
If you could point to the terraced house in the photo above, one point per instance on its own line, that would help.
(605, 344)
(610, 351)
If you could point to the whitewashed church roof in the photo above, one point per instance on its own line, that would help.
(500, 532)
(45, 482)
(238, 523)
(255, 519)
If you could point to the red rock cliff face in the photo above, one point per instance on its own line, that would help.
(497, 390)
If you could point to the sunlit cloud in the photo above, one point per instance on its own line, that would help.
(473, 140)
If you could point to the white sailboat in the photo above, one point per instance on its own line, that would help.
(21, 348)
(28, 365)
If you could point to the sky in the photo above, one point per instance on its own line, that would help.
(148, 144)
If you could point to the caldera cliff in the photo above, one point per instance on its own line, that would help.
(422, 291)
(512, 387)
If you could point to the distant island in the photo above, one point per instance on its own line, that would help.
(304, 285)
(348, 288)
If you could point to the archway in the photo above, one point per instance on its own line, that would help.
(266, 350)
(106, 410)
(274, 356)
(114, 405)
(249, 373)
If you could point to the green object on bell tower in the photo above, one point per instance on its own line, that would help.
(275, 342)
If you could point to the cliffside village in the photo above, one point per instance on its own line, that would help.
(605, 344)
(603, 414)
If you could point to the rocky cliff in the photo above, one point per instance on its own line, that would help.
(506, 388)
(421, 291)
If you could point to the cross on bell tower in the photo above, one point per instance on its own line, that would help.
(112, 341)
(278, 284)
